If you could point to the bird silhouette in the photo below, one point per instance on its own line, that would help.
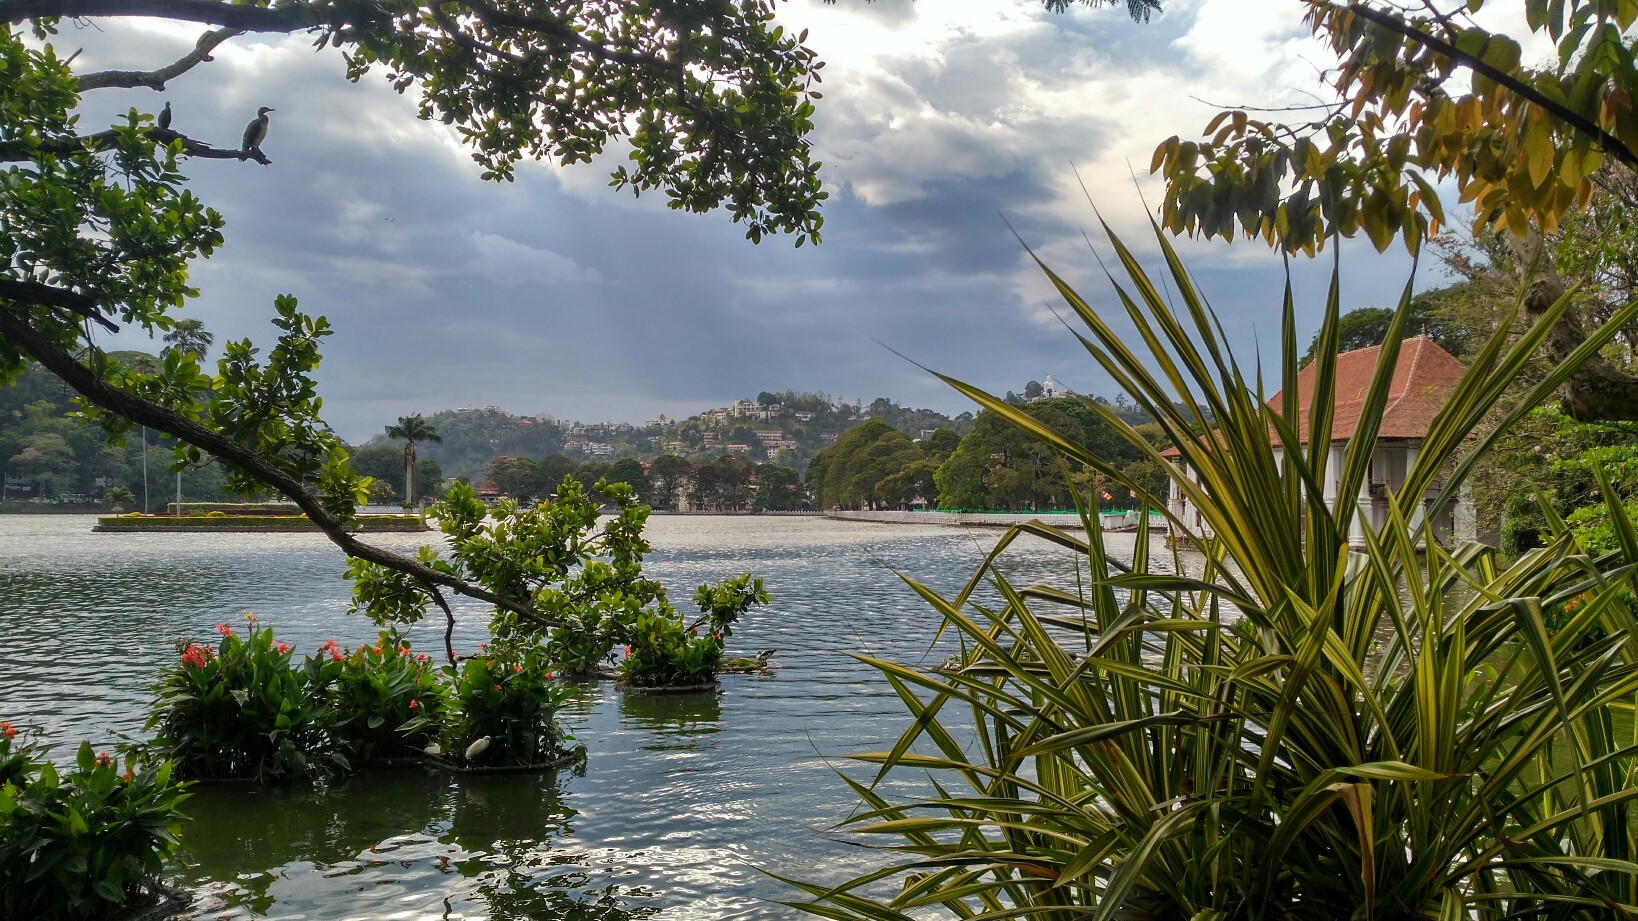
(255, 132)
(165, 118)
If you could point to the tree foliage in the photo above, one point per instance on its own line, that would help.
(1423, 94)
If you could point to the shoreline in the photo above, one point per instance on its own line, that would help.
(1068, 521)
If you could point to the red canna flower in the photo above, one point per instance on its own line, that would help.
(497, 687)
(127, 776)
(628, 652)
(224, 629)
(550, 676)
(104, 759)
(516, 668)
(413, 703)
(284, 648)
(6, 730)
(194, 656)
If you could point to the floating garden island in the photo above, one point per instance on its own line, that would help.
(245, 517)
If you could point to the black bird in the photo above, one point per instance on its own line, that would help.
(256, 131)
(165, 118)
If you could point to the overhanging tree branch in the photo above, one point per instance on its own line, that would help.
(145, 412)
(1608, 142)
(289, 18)
(15, 151)
(34, 292)
(156, 79)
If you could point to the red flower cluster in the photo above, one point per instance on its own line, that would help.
(283, 648)
(516, 667)
(224, 629)
(413, 703)
(334, 649)
(105, 760)
(6, 730)
(195, 655)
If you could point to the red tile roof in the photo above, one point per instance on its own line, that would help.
(1423, 381)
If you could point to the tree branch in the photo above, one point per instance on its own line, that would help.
(156, 79)
(171, 422)
(206, 12)
(13, 151)
(1610, 144)
(34, 292)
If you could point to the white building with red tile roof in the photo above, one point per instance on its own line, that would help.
(1423, 380)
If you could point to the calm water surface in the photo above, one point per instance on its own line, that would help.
(684, 801)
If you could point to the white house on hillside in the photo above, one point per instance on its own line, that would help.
(1423, 380)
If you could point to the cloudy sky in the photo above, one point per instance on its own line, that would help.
(558, 294)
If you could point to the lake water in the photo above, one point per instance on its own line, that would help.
(685, 801)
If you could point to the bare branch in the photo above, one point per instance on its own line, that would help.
(144, 412)
(13, 151)
(156, 79)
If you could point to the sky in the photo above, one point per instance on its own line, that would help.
(942, 122)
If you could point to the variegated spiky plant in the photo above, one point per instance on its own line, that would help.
(1300, 731)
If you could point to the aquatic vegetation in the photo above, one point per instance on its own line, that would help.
(376, 693)
(241, 709)
(581, 573)
(663, 652)
(84, 842)
(508, 696)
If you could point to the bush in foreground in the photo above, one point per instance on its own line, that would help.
(1293, 730)
(86, 842)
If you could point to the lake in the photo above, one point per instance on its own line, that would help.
(684, 802)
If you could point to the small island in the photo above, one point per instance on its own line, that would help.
(245, 517)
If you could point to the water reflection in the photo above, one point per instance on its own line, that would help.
(402, 841)
(679, 721)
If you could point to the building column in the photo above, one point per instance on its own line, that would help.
(1419, 510)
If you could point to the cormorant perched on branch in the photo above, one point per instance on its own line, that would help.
(255, 132)
(165, 118)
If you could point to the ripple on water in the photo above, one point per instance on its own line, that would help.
(684, 796)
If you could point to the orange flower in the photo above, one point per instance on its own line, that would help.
(516, 667)
(284, 648)
(413, 703)
(497, 687)
(6, 730)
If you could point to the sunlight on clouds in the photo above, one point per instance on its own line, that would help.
(518, 264)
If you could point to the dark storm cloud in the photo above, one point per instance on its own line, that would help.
(556, 294)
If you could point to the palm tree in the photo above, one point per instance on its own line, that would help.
(411, 429)
(189, 336)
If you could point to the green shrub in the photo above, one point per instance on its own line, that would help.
(375, 692)
(86, 843)
(508, 696)
(663, 652)
(242, 711)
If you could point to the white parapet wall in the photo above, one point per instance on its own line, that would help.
(1064, 520)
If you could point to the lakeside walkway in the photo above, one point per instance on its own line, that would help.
(1111, 521)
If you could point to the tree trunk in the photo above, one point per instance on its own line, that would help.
(1598, 391)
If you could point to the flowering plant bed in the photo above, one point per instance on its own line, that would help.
(219, 522)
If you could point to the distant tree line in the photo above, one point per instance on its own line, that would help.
(669, 483)
(995, 466)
